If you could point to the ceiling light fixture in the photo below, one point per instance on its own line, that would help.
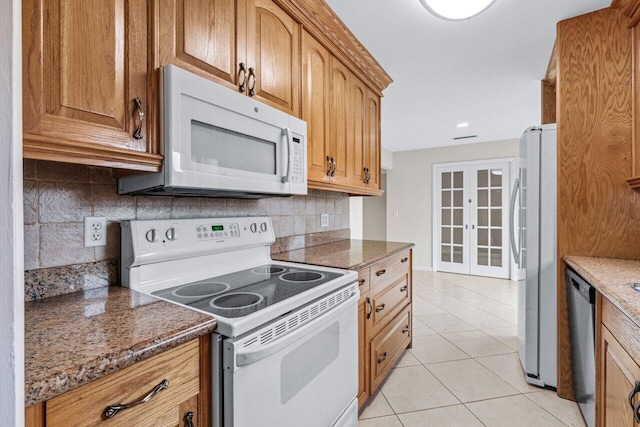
(462, 125)
(456, 10)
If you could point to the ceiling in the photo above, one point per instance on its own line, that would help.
(485, 71)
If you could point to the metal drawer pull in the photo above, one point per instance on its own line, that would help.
(382, 359)
(636, 389)
(370, 308)
(188, 419)
(252, 73)
(404, 288)
(112, 410)
(361, 282)
(406, 330)
(405, 259)
(138, 132)
(379, 308)
(243, 70)
(380, 273)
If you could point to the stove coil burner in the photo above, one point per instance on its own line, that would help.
(200, 289)
(236, 300)
(302, 276)
(268, 270)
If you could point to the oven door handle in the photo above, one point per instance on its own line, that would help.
(287, 132)
(244, 358)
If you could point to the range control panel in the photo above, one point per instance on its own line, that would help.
(153, 240)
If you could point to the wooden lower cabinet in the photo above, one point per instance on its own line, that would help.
(617, 365)
(174, 377)
(384, 316)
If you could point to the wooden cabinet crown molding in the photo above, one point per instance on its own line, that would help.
(322, 22)
(630, 9)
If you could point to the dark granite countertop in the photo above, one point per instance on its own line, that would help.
(613, 278)
(349, 254)
(73, 339)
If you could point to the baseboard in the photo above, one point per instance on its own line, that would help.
(422, 268)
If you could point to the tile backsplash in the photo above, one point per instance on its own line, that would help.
(57, 197)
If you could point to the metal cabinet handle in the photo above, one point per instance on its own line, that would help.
(632, 394)
(406, 330)
(370, 308)
(380, 273)
(252, 73)
(405, 259)
(137, 134)
(404, 288)
(380, 308)
(330, 167)
(112, 410)
(383, 358)
(188, 419)
(243, 71)
(335, 166)
(361, 282)
(367, 175)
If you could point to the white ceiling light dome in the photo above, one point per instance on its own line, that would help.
(456, 10)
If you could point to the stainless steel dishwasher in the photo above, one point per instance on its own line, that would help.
(581, 299)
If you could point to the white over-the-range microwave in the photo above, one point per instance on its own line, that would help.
(220, 143)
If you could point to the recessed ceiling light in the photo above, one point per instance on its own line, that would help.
(455, 10)
(462, 125)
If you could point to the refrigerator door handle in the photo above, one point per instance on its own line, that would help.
(512, 211)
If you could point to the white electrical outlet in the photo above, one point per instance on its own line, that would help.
(324, 220)
(95, 231)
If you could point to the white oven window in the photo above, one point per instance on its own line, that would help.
(306, 362)
(215, 146)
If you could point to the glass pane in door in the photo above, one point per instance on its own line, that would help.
(452, 217)
(489, 217)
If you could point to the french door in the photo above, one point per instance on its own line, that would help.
(471, 218)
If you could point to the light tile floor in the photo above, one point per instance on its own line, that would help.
(464, 369)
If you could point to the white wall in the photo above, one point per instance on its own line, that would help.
(409, 190)
(11, 227)
(355, 217)
(374, 214)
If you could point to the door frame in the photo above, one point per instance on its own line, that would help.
(434, 201)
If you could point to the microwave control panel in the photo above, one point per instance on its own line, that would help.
(297, 165)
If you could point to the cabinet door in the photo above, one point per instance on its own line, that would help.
(339, 123)
(372, 140)
(84, 65)
(363, 349)
(273, 56)
(357, 131)
(618, 374)
(315, 106)
(205, 37)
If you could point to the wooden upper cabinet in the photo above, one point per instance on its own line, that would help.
(273, 57)
(205, 37)
(251, 46)
(357, 138)
(372, 144)
(315, 109)
(84, 65)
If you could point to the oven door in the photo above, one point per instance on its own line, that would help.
(221, 140)
(305, 378)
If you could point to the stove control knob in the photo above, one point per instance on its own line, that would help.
(263, 227)
(171, 234)
(151, 235)
(254, 227)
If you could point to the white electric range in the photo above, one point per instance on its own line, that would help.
(285, 352)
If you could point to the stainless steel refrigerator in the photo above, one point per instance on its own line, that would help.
(533, 245)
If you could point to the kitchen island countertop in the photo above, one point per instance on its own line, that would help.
(613, 278)
(73, 339)
(350, 254)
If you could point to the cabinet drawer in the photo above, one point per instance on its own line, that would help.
(364, 280)
(86, 405)
(390, 270)
(388, 345)
(389, 302)
(623, 328)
